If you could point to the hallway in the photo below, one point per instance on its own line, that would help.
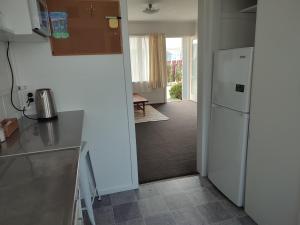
(167, 149)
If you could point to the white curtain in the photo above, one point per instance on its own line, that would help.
(139, 55)
(158, 61)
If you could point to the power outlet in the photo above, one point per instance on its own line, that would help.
(26, 96)
(30, 98)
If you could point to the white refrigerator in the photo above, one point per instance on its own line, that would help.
(228, 133)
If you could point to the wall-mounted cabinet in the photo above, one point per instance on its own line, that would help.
(15, 22)
(4, 24)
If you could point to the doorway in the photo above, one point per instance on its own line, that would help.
(166, 142)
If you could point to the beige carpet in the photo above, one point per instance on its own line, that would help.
(151, 115)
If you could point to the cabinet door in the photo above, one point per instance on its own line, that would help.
(15, 16)
(88, 27)
(227, 152)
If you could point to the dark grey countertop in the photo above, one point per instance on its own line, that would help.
(38, 171)
(33, 137)
(38, 189)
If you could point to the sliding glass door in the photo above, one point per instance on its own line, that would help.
(194, 72)
(174, 48)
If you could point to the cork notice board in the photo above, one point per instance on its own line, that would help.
(88, 27)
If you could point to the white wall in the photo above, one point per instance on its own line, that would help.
(171, 29)
(220, 26)
(236, 29)
(4, 69)
(6, 109)
(273, 173)
(96, 85)
(99, 85)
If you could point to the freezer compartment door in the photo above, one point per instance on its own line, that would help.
(227, 152)
(232, 78)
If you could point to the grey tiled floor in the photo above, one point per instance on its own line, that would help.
(182, 201)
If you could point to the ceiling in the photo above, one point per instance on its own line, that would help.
(170, 10)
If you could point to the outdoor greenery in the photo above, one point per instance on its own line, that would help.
(178, 73)
(176, 91)
(174, 72)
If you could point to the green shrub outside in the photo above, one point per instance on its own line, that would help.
(176, 91)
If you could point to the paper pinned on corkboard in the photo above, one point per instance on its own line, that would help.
(89, 31)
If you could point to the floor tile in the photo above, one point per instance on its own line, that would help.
(147, 191)
(214, 212)
(133, 222)
(246, 220)
(232, 209)
(204, 182)
(152, 206)
(178, 201)
(104, 216)
(126, 211)
(202, 196)
(188, 216)
(189, 183)
(86, 219)
(123, 197)
(217, 193)
(189, 200)
(105, 201)
(167, 187)
(161, 219)
(233, 221)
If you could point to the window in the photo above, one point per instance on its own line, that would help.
(139, 54)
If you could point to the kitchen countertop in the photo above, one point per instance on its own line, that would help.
(38, 189)
(34, 137)
(39, 171)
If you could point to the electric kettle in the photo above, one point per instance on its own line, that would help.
(45, 104)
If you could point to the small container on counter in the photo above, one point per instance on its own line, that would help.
(9, 126)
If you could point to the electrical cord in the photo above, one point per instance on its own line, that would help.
(13, 84)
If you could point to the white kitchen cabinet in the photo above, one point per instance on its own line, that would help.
(15, 22)
(87, 182)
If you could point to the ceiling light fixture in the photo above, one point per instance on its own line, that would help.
(150, 9)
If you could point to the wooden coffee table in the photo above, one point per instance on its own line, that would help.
(139, 102)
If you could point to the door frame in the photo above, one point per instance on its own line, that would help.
(128, 93)
(208, 14)
(208, 29)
